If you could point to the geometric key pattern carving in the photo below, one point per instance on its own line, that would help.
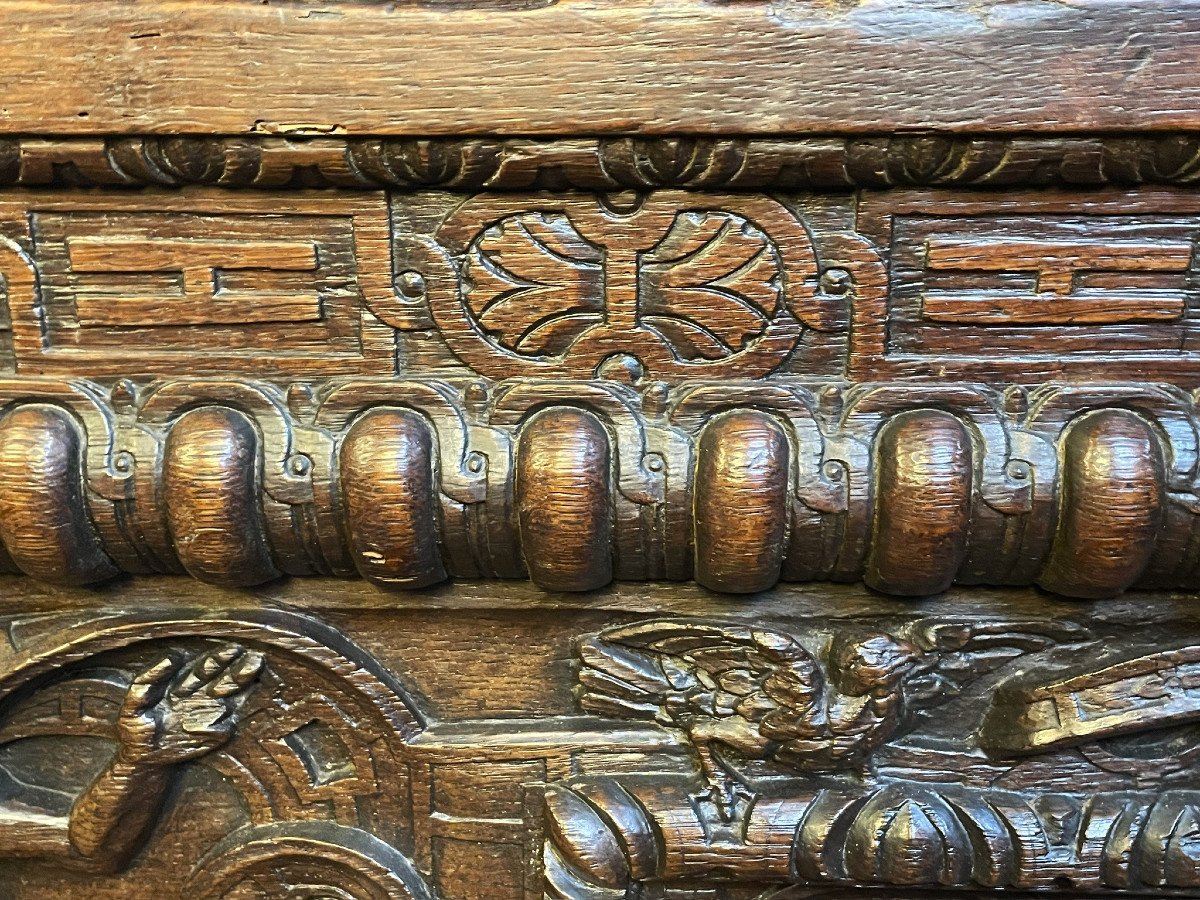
(1029, 287)
(126, 280)
(670, 285)
(1065, 282)
(197, 281)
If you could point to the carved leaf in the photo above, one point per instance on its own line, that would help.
(712, 285)
(534, 284)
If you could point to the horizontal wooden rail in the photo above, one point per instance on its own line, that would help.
(602, 66)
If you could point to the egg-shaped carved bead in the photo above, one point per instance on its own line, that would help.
(924, 477)
(741, 502)
(564, 499)
(386, 465)
(582, 847)
(211, 483)
(44, 520)
(1110, 510)
(910, 836)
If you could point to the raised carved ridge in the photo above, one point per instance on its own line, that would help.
(604, 164)
(1086, 490)
(900, 834)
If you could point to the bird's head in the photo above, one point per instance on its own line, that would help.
(863, 664)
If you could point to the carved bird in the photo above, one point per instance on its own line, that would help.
(764, 695)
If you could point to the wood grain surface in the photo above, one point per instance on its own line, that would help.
(601, 66)
(598, 162)
(393, 746)
(1083, 489)
(385, 464)
(563, 464)
(42, 519)
(211, 468)
(681, 449)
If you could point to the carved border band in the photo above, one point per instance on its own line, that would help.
(898, 834)
(603, 164)
(666, 285)
(1085, 490)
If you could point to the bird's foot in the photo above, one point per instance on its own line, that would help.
(723, 813)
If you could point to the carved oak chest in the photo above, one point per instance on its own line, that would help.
(599, 449)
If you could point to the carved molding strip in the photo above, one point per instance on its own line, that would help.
(1086, 490)
(671, 285)
(603, 164)
(898, 834)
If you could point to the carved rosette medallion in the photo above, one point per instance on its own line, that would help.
(670, 284)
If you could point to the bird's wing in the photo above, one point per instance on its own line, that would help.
(646, 670)
(960, 651)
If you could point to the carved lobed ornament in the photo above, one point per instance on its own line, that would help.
(691, 162)
(1085, 490)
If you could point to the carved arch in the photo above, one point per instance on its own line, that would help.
(318, 762)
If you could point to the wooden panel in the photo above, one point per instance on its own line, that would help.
(673, 284)
(575, 66)
(593, 295)
(200, 281)
(314, 737)
(1023, 288)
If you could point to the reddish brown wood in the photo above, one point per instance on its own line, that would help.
(579, 66)
(563, 499)
(580, 449)
(923, 504)
(210, 474)
(43, 519)
(1110, 515)
(741, 492)
(386, 473)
